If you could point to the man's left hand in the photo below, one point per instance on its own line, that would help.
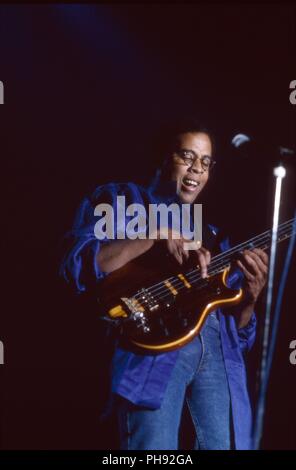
(254, 265)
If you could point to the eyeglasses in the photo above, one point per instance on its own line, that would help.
(189, 157)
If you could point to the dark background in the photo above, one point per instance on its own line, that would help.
(86, 87)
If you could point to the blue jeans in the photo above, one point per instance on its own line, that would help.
(199, 380)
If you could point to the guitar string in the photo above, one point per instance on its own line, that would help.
(284, 233)
(221, 256)
(195, 277)
(182, 287)
(166, 293)
(253, 240)
(218, 261)
(193, 281)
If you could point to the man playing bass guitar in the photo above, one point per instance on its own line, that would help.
(207, 374)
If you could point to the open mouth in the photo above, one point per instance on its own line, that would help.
(190, 183)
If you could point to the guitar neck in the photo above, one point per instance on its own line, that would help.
(221, 261)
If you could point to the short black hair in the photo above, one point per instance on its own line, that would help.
(166, 138)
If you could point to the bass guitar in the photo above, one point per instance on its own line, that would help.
(158, 310)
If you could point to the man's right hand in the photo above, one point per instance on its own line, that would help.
(174, 244)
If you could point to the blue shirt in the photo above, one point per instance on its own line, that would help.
(143, 378)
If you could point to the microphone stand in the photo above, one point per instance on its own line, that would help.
(279, 173)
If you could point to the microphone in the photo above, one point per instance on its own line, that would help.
(248, 147)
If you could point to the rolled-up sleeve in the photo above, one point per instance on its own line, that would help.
(247, 334)
(79, 266)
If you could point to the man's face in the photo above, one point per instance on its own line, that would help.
(190, 176)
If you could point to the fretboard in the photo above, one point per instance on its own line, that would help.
(263, 241)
